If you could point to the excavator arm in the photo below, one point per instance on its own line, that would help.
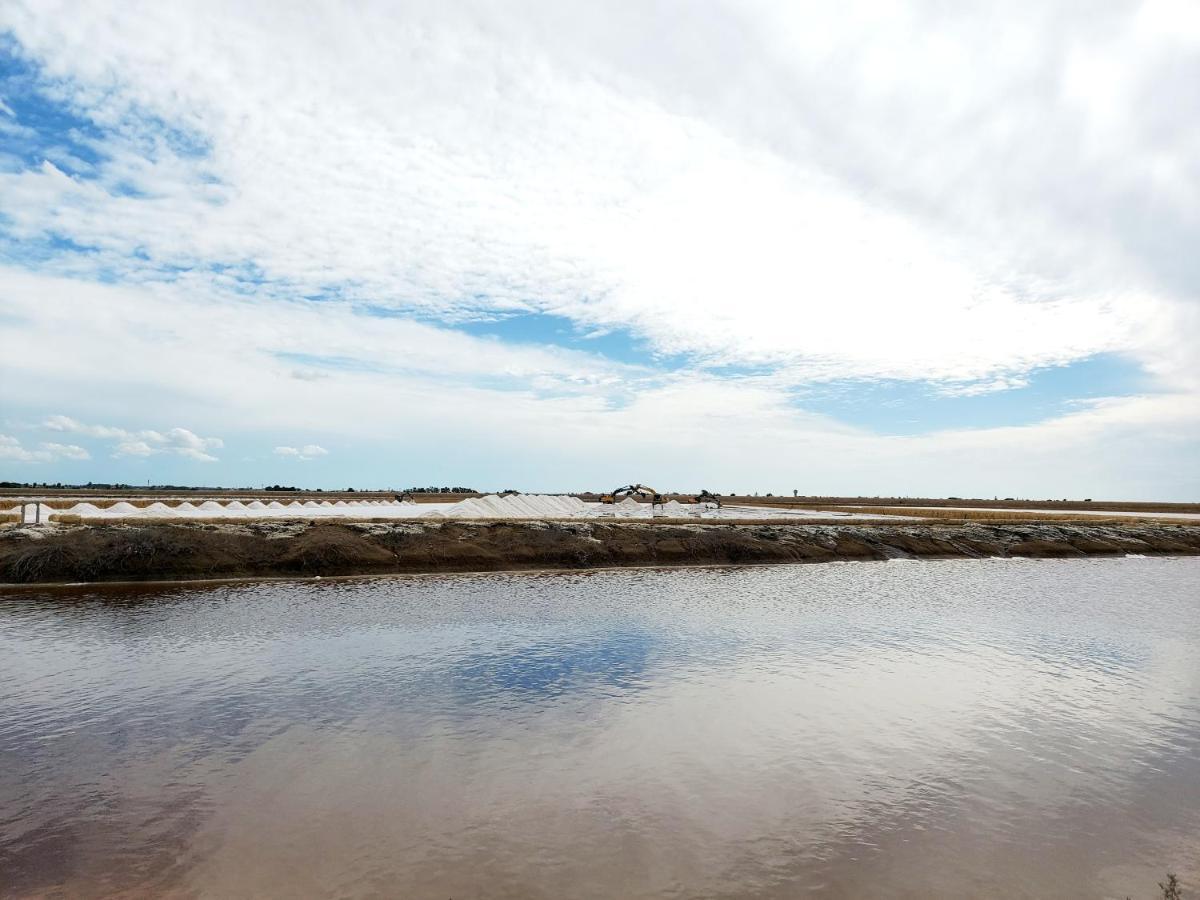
(632, 490)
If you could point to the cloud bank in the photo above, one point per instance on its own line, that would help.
(308, 218)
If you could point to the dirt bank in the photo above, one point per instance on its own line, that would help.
(120, 552)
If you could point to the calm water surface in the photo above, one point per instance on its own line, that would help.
(976, 728)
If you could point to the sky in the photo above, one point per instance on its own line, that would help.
(867, 248)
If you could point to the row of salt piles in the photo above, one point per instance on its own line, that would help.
(528, 506)
(214, 509)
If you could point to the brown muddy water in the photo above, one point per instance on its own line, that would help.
(1002, 728)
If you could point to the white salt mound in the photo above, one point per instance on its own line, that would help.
(493, 506)
(256, 504)
(520, 506)
(674, 509)
(629, 508)
(515, 506)
(551, 507)
(464, 510)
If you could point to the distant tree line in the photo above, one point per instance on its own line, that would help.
(106, 486)
(118, 486)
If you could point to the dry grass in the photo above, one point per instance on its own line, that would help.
(1114, 506)
(1007, 517)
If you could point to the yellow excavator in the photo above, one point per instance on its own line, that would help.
(645, 492)
(636, 491)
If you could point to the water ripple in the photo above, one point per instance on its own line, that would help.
(966, 728)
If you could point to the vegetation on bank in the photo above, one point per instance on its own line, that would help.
(991, 515)
(147, 551)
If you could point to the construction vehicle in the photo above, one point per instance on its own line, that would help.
(637, 492)
(644, 492)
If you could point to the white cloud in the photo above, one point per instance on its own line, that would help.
(66, 423)
(976, 388)
(65, 451)
(219, 366)
(307, 452)
(12, 450)
(178, 441)
(857, 194)
(133, 448)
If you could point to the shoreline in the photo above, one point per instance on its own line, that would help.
(182, 552)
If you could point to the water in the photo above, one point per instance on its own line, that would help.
(967, 728)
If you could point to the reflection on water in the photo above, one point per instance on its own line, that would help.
(992, 728)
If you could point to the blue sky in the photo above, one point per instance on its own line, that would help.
(525, 248)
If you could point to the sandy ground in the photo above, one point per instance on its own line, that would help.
(1098, 513)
